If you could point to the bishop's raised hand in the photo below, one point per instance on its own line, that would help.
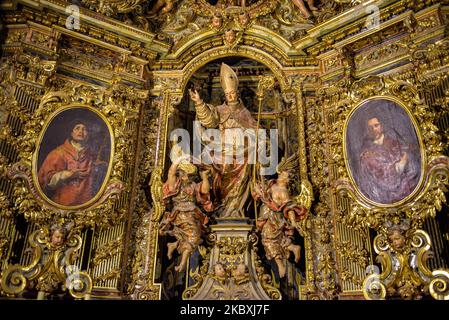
(195, 96)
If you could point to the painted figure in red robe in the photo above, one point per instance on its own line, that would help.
(66, 175)
(388, 173)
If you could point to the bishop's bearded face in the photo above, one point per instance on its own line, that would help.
(232, 96)
(184, 176)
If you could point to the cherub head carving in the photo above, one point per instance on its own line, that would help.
(397, 235)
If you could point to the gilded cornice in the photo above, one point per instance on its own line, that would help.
(343, 34)
(106, 29)
(388, 46)
(315, 34)
(341, 30)
(95, 19)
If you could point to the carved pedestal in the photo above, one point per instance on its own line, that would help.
(232, 269)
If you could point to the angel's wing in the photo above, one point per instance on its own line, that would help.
(305, 197)
(288, 164)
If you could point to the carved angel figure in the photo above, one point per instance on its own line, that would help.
(217, 20)
(302, 7)
(396, 235)
(241, 274)
(58, 236)
(164, 6)
(186, 222)
(279, 216)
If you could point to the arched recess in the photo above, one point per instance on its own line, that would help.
(241, 51)
(171, 84)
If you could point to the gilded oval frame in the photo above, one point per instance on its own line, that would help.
(91, 203)
(421, 180)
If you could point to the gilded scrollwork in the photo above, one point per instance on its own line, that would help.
(403, 254)
(225, 272)
(256, 9)
(325, 260)
(386, 53)
(52, 267)
(113, 7)
(156, 193)
(85, 55)
(354, 253)
(266, 280)
(5, 241)
(6, 85)
(15, 36)
(107, 251)
(198, 275)
(111, 274)
(431, 60)
(142, 286)
(33, 69)
(438, 286)
(229, 274)
(6, 206)
(216, 53)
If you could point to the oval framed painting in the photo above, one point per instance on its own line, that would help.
(72, 162)
(383, 151)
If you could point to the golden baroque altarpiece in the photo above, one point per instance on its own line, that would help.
(323, 73)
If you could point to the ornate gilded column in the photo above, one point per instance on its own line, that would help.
(143, 286)
(308, 230)
(23, 77)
